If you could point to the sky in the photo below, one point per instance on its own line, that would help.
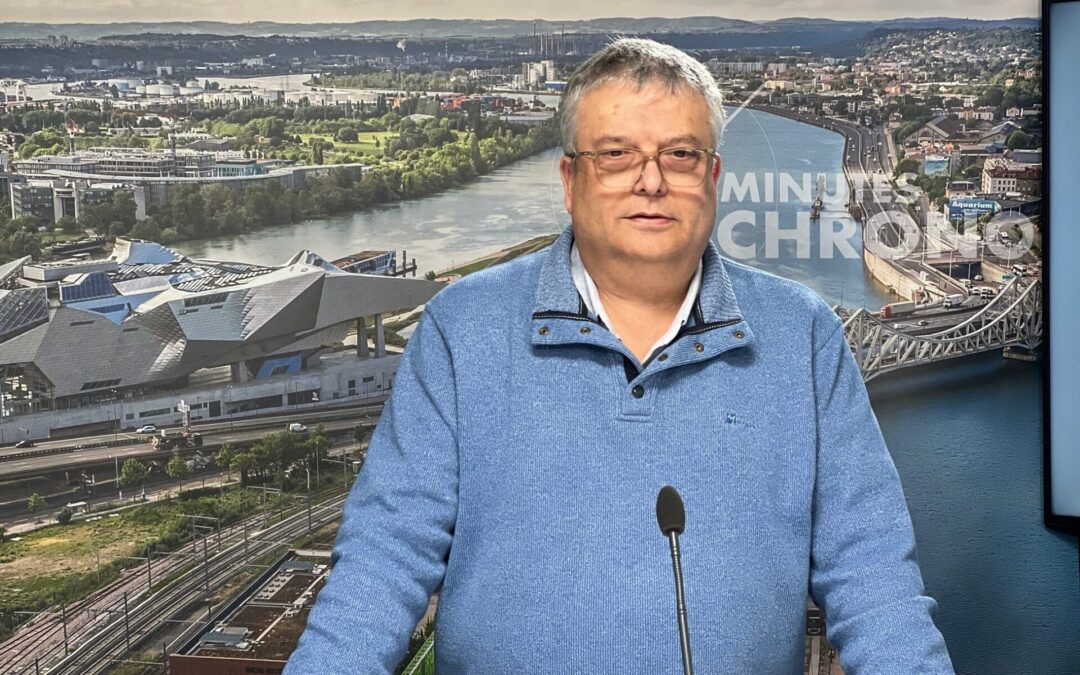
(340, 11)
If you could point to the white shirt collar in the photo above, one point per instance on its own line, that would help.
(587, 288)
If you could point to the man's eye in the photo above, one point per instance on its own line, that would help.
(682, 153)
(612, 154)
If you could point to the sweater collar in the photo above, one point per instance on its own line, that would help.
(556, 293)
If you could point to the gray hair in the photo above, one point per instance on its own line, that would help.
(642, 62)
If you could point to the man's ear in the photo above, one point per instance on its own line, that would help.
(717, 168)
(566, 172)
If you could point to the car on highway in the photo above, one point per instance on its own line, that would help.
(297, 428)
(924, 322)
(147, 429)
(25, 443)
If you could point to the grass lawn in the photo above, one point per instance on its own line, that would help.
(365, 141)
(61, 562)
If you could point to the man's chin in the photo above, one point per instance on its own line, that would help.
(654, 255)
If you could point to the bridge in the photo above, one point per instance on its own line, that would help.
(18, 87)
(1012, 319)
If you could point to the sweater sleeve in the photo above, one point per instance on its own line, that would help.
(397, 524)
(863, 569)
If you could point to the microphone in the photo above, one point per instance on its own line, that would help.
(671, 516)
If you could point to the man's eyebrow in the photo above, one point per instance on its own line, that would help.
(687, 138)
(684, 139)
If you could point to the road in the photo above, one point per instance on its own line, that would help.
(16, 462)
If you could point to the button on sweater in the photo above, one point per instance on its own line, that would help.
(517, 462)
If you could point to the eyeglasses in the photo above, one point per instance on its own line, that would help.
(622, 167)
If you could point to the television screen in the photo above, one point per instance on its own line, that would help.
(1063, 176)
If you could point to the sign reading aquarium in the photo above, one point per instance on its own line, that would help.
(964, 210)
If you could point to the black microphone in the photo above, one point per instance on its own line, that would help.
(671, 516)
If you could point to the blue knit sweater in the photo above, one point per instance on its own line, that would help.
(517, 463)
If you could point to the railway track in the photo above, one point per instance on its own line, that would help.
(101, 652)
(61, 634)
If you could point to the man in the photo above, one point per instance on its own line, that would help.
(541, 404)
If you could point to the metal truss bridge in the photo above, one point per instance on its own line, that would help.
(1012, 318)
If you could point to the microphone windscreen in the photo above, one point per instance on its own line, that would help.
(670, 514)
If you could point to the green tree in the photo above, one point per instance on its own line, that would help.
(123, 208)
(907, 165)
(475, 117)
(133, 472)
(242, 464)
(318, 445)
(67, 224)
(35, 503)
(224, 459)
(973, 172)
(993, 97)
(177, 468)
(1018, 139)
(147, 229)
(478, 163)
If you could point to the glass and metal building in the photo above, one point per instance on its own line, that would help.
(114, 343)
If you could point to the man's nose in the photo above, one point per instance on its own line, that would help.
(651, 180)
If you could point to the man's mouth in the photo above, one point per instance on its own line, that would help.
(650, 217)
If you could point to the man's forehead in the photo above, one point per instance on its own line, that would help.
(621, 112)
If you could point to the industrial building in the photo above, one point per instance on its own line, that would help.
(91, 346)
(258, 630)
(50, 186)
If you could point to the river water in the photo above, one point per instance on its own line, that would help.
(965, 435)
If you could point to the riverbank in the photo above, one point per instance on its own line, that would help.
(196, 212)
(402, 326)
(501, 256)
(859, 147)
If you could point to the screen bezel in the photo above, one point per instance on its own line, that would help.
(1057, 521)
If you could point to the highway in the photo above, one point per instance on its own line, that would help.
(54, 456)
(933, 318)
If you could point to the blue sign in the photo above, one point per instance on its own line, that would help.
(964, 209)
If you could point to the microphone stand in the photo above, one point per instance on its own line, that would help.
(684, 628)
(671, 517)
